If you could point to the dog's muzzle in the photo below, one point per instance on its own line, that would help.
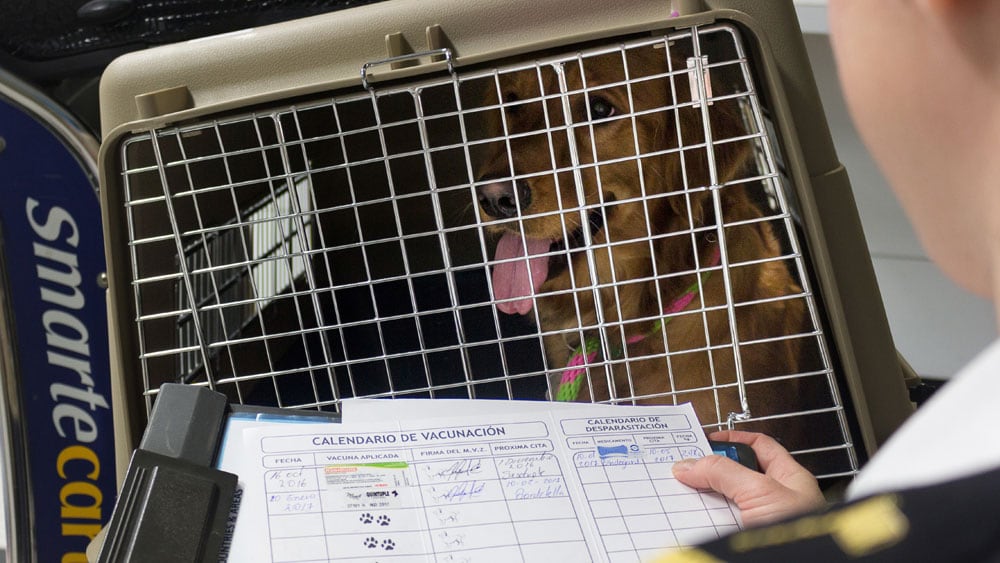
(504, 199)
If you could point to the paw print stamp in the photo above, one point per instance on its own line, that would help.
(383, 520)
(388, 545)
(366, 518)
(371, 543)
(451, 540)
(446, 517)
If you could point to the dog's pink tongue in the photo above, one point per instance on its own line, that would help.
(519, 278)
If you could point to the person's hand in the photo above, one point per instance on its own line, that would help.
(784, 489)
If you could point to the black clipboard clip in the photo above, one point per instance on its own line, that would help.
(174, 505)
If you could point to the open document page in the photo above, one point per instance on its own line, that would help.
(566, 483)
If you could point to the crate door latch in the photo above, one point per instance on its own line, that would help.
(401, 55)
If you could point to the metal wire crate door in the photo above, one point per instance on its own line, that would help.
(299, 254)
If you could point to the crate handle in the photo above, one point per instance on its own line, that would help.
(444, 51)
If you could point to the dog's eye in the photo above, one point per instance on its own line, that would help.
(600, 108)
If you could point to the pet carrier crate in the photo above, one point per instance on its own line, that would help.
(627, 203)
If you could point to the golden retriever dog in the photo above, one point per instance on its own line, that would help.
(608, 216)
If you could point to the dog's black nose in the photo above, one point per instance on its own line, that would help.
(498, 198)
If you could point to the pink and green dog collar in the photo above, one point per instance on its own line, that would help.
(572, 380)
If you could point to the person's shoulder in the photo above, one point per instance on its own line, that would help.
(951, 521)
(942, 440)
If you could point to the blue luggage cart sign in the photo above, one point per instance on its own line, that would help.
(54, 253)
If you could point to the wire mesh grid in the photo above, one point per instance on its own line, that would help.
(609, 224)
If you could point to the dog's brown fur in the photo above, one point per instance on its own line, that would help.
(638, 278)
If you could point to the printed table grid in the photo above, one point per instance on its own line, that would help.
(639, 508)
(513, 507)
(460, 492)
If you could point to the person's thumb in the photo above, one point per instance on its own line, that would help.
(720, 474)
(760, 498)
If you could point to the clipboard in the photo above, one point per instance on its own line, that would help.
(175, 505)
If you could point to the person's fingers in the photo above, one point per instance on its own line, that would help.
(775, 461)
(720, 474)
(768, 450)
(761, 498)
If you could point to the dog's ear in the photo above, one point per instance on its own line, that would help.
(729, 157)
(687, 169)
(681, 203)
